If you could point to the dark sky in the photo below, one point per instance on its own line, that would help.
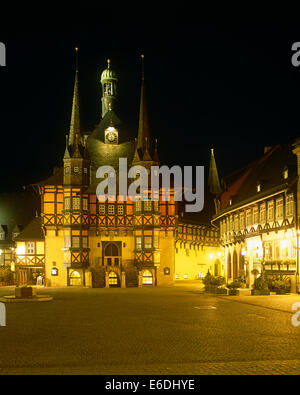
(209, 83)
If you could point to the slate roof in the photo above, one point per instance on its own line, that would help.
(32, 232)
(16, 210)
(241, 186)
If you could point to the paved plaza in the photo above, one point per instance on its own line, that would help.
(176, 330)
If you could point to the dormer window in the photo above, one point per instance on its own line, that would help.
(285, 173)
(258, 187)
(2, 235)
(230, 202)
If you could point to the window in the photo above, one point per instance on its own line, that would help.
(76, 169)
(290, 205)
(268, 250)
(230, 224)
(258, 188)
(156, 241)
(84, 242)
(277, 250)
(156, 207)
(138, 243)
(263, 213)
(279, 208)
(138, 205)
(2, 235)
(85, 170)
(147, 278)
(255, 215)
(75, 241)
(76, 203)
(67, 203)
(102, 209)
(271, 211)
(67, 170)
(248, 217)
(85, 204)
(30, 248)
(242, 220)
(236, 223)
(111, 209)
(285, 174)
(148, 242)
(147, 205)
(120, 209)
(167, 271)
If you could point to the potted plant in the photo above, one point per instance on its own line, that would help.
(260, 286)
(233, 288)
(281, 286)
(214, 284)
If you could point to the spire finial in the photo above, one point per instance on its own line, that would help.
(76, 51)
(143, 71)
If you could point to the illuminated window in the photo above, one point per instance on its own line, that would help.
(138, 243)
(84, 242)
(76, 203)
(255, 215)
(148, 241)
(263, 213)
(271, 211)
(177, 276)
(67, 170)
(75, 241)
(30, 248)
(236, 223)
(84, 204)
(285, 174)
(279, 208)
(147, 205)
(277, 250)
(156, 205)
(242, 220)
(248, 217)
(76, 169)
(102, 209)
(120, 209)
(138, 205)
(67, 241)
(113, 279)
(290, 205)
(75, 278)
(85, 170)
(258, 188)
(67, 203)
(147, 278)
(268, 250)
(185, 276)
(111, 209)
(167, 271)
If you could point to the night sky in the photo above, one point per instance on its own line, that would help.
(227, 85)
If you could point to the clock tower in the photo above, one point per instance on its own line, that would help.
(109, 89)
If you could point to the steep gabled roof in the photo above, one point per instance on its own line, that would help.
(32, 232)
(267, 171)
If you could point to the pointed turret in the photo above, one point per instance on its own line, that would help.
(143, 131)
(75, 119)
(213, 177)
(136, 157)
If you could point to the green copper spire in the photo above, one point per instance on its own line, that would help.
(143, 131)
(213, 177)
(75, 120)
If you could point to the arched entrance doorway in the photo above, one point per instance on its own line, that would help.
(217, 267)
(234, 265)
(112, 255)
(147, 278)
(113, 280)
(228, 265)
(75, 278)
(242, 265)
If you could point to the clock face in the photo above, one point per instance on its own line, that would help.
(111, 135)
